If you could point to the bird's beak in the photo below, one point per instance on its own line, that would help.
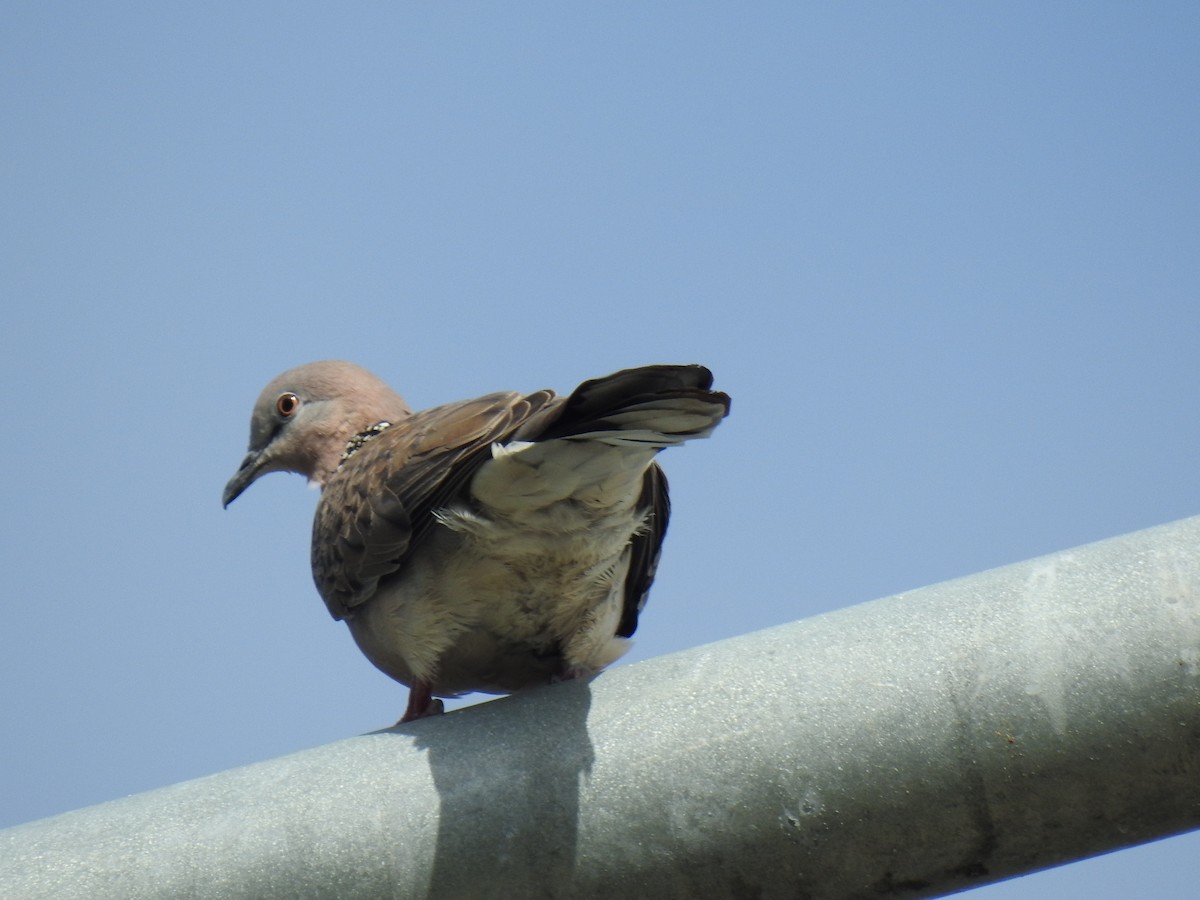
(251, 467)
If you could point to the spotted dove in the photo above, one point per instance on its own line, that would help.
(485, 545)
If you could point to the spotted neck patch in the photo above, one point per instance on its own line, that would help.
(357, 442)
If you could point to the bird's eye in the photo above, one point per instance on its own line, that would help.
(287, 404)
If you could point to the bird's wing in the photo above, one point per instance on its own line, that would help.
(645, 549)
(378, 506)
(656, 406)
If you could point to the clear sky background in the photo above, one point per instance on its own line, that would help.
(945, 257)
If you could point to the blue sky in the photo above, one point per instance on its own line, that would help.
(943, 256)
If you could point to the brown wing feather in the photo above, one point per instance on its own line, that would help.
(381, 503)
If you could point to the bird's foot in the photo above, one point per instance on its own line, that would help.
(421, 704)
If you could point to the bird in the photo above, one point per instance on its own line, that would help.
(485, 545)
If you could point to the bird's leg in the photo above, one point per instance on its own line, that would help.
(421, 703)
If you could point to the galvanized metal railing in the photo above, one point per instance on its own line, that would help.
(918, 745)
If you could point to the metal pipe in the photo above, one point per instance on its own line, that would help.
(914, 746)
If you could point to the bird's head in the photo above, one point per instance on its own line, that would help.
(304, 418)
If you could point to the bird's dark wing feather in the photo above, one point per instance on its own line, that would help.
(597, 405)
(380, 504)
(645, 548)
